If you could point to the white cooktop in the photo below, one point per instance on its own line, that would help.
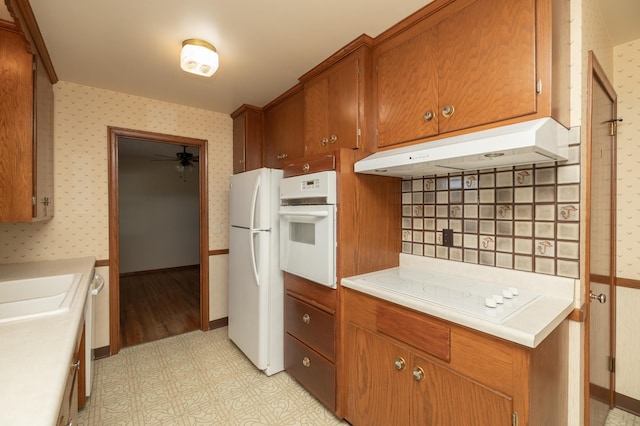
(464, 294)
(460, 292)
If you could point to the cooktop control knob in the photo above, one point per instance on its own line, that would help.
(498, 299)
(514, 291)
(490, 302)
(507, 294)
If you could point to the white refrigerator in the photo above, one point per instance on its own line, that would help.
(256, 289)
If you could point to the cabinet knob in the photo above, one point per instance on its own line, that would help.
(324, 141)
(428, 116)
(418, 374)
(333, 138)
(306, 319)
(306, 362)
(399, 363)
(306, 167)
(76, 365)
(448, 111)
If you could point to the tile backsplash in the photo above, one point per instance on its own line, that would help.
(525, 217)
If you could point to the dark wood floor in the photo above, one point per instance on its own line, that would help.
(159, 304)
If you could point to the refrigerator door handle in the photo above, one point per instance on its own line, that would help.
(254, 201)
(253, 256)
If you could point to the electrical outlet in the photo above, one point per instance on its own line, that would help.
(447, 237)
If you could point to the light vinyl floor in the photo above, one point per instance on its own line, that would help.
(197, 378)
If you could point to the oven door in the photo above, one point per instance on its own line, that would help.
(308, 242)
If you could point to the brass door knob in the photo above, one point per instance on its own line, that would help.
(428, 116)
(333, 138)
(418, 374)
(448, 111)
(324, 141)
(306, 319)
(399, 363)
(306, 362)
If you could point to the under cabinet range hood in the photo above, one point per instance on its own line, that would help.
(542, 140)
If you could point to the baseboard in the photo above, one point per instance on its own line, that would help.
(102, 352)
(219, 323)
(629, 404)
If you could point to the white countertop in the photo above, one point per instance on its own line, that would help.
(35, 353)
(527, 326)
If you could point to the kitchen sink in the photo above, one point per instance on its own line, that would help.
(35, 297)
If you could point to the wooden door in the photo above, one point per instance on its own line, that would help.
(486, 63)
(407, 89)
(239, 147)
(284, 131)
(316, 120)
(443, 397)
(601, 243)
(343, 104)
(16, 129)
(378, 390)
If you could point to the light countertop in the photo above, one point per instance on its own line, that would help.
(528, 326)
(35, 353)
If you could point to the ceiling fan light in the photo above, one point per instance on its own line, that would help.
(198, 57)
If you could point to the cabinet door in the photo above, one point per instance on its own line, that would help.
(443, 397)
(407, 89)
(43, 143)
(486, 63)
(284, 131)
(247, 140)
(16, 129)
(378, 391)
(331, 108)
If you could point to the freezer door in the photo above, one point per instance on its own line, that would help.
(248, 293)
(250, 199)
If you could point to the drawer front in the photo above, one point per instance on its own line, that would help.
(314, 372)
(312, 164)
(416, 330)
(313, 326)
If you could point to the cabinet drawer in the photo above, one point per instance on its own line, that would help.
(314, 372)
(311, 325)
(317, 163)
(429, 336)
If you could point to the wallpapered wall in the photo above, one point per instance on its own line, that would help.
(80, 225)
(626, 81)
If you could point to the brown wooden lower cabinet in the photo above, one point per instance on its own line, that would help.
(391, 378)
(68, 414)
(312, 370)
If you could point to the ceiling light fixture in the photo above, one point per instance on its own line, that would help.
(198, 57)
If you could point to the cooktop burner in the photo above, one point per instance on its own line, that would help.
(493, 302)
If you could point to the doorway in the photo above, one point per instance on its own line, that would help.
(118, 136)
(601, 245)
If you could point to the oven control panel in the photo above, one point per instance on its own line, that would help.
(314, 188)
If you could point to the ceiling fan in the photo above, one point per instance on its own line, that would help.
(184, 159)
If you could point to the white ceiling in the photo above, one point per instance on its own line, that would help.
(133, 46)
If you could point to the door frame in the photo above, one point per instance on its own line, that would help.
(114, 135)
(596, 72)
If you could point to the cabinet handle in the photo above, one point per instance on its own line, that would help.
(306, 362)
(324, 141)
(399, 363)
(306, 167)
(448, 111)
(428, 116)
(333, 138)
(76, 365)
(281, 156)
(418, 374)
(69, 423)
(306, 319)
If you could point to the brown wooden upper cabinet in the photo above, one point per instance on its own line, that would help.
(26, 136)
(247, 138)
(471, 63)
(284, 129)
(335, 106)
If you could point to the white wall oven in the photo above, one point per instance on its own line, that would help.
(308, 227)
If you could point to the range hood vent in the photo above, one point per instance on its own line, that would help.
(542, 140)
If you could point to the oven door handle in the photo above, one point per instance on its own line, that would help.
(318, 213)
